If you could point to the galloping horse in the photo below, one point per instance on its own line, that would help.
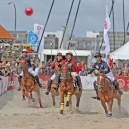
(53, 92)
(107, 93)
(28, 84)
(66, 87)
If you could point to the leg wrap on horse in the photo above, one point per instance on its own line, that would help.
(116, 84)
(48, 87)
(79, 83)
(37, 79)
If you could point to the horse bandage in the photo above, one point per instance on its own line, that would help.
(68, 96)
(62, 106)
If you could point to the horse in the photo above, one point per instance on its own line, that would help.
(53, 92)
(107, 93)
(28, 84)
(67, 87)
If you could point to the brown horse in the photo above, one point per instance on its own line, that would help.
(107, 93)
(28, 84)
(53, 92)
(67, 87)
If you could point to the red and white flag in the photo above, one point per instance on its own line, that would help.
(107, 25)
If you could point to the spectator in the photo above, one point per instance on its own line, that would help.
(51, 71)
(126, 70)
(49, 62)
(33, 65)
(83, 72)
(37, 69)
(119, 72)
(43, 71)
(114, 69)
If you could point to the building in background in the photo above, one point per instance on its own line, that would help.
(90, 43)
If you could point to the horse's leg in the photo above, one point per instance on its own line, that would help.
(27, 95)
(77, 100)
(38, 95)
(68, 98)
(70, 102)
(62, 103)
(105, 107)
(53, 98)
(110, 108)
(118, 97)
(23, 95)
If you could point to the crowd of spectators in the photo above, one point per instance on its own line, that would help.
(46, 69)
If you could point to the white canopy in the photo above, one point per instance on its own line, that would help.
(122, 53)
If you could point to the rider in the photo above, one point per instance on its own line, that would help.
(102, 66)
(72, 68)
(30, 69)
(57, 62)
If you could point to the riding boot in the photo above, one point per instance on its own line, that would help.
(96, 90)
(48, 87)
(116, 84)
(19, 79)
(37, 80)
(57, 82)
(79, 83)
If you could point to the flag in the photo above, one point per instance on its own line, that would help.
(32, 37)
(110, 62)
(38, 29)
(107, 25)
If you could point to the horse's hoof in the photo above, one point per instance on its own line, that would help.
(33, 100)
(77, 108)
(109, 114)
(67, 104)
(61, 111)
(23, 98)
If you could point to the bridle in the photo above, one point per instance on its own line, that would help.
(101, 86)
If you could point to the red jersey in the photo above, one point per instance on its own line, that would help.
(74, 65)
(59, 63)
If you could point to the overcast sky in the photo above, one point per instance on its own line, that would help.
(91, 15)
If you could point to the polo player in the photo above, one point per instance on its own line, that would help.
(30, 69)
(72, 68)
(102, 66)
(57, 74)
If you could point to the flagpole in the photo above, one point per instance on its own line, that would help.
(66, 24)
(45, 25)
(124, 21)
(74, 22)
(109, 17)
(113, 25)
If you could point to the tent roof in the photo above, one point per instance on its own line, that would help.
(121, 53)
(5, 34)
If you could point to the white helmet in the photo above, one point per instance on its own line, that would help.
(24, 50)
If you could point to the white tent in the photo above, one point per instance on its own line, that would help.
(122, 53)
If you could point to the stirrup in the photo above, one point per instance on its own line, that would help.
(47, 92)
(120, 92)
(55, 88)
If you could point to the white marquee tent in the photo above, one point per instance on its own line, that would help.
(122, 53)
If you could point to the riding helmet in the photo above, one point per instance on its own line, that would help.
(69, 53)
(98, 54)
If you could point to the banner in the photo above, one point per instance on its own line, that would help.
(44, 81)
(123, 82)
(87, 82)
(38, 29)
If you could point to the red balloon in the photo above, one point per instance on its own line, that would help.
(29, 11)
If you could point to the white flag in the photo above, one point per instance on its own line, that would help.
(38, 29)
(107, 25)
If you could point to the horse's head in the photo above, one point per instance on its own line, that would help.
(101, 79)
(64, 71)
(22, 64)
